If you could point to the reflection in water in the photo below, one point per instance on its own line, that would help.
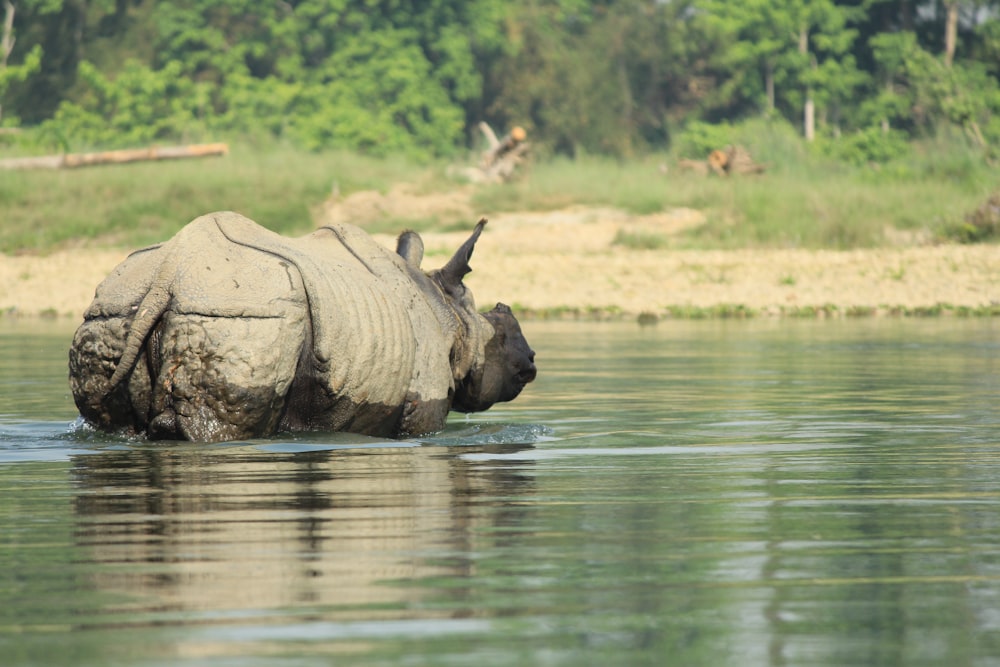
(714, 493)
(182, 529)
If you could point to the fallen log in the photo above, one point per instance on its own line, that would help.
(498, 162)
(719, 162)
(500, 147)
(697, 166)
(75, 160)
(503, 155)
(740, 161)
(724, 162)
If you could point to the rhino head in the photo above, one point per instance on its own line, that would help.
(508, 365)
(490, 358)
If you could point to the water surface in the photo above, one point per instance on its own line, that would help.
(770, 492)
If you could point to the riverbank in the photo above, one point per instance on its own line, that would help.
(569, 264)
(571, 268)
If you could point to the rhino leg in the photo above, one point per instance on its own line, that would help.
(93, 358)
(223, 378)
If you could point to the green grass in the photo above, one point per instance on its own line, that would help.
(637, 187)
(802, 201)
(740, 311)
(145, 202)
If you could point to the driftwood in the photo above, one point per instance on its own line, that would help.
(724, 162)
(74, 160)
(505, 151)
(697, 166)
(500, 159)
(734, 160)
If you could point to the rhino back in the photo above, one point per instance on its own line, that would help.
(226, 265)
(363, 350)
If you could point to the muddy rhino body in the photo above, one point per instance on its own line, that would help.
(230, 331)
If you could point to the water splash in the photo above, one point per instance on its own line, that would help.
(491, 434)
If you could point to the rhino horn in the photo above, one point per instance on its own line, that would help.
(410, 247)
(456, 268)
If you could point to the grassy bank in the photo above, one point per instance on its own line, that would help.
(145, 202)
(802, 201)
(730, 311)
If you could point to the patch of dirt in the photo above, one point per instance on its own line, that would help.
(402, 202)
(62, 283)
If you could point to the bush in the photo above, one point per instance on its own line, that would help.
(870, 146)
(771, 141)
(983, 224)
(139, 106)
(698, 139)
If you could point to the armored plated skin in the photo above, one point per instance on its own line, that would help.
(230, 331)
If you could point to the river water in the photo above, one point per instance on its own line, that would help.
(762, 492)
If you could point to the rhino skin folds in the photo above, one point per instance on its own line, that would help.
(230, 331)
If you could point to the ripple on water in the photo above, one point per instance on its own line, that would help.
(58, 441)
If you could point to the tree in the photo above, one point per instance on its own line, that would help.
(799, 50)
(136, 107)
(9, 73)
(417, 76)
(950, 31)
(598, 77)
(60, 29)
(985, 48)
(921, 92)
(7, 34)
(373, 75)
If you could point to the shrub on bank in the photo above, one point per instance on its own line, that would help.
(983, 224)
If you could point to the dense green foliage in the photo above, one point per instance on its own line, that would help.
(583, 77)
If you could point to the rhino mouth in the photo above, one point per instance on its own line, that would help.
(526, 375)
(520, 379)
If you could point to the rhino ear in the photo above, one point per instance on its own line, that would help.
(410, 247)
(456, 268)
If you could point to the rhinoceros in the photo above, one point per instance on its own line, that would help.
(230, 331)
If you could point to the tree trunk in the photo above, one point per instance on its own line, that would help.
(769, 86)
(809, 108)
(628, 104)
(906, 15)
(950, 32)
(810, 117)
(7, 36)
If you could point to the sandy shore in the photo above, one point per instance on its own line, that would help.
(567, 262)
